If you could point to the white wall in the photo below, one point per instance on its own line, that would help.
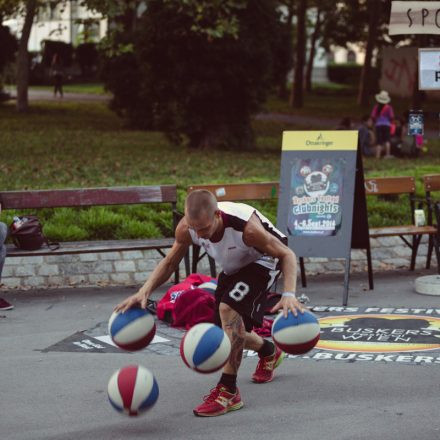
(59, 25)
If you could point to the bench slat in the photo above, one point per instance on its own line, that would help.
(389, 231)
(82, 247)
(390, 185)
(88, 197)
(241, 191)
(431, 182)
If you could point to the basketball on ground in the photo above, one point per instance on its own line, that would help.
(132, 390)
(296, 334)
(205, 348)
(132, 330)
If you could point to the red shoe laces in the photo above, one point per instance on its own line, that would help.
(213, 394)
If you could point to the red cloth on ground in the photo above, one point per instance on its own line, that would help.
(167, 303)
(193, 307)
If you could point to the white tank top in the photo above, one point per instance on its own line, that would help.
(231, 253)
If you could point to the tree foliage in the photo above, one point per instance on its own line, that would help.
(198, 84)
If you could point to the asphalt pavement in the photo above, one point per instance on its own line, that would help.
(48, 394)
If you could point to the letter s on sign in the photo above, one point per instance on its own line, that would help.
(409, 17)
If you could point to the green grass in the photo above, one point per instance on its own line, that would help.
(67, 144)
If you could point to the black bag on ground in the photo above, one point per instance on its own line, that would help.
(27, 234)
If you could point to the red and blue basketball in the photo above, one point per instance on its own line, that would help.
(132, 330)
(205, 348)
(132, 390)
(296, 334)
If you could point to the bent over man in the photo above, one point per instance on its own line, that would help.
(251, 253)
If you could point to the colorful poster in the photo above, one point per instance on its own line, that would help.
(316, 197)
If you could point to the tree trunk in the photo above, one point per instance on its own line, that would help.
(23, 57)
(364, 86)
(282, 87)
(296, 99)
(309, 69)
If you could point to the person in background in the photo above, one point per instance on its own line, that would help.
(4, 305)
(345, 124)
(383, 115)
(396, 132)
(367, 140)
(57, 74)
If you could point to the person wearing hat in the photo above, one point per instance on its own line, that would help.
(383, 115)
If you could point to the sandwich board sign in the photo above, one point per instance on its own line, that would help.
(317, 195)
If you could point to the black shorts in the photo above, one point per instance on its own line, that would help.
(382, 134)
(245, 291)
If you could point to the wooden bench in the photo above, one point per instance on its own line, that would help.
(239, 192)
(397, 186)
(74, 198)
(431, 183)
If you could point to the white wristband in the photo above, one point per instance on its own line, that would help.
(289, 294)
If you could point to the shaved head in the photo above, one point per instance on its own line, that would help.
(200, 203)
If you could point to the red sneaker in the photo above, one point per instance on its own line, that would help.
(218, 402)
(267, 365)
(4, 305)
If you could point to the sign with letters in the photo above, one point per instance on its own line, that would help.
(414, 17)
(317, 194)
(429, 69)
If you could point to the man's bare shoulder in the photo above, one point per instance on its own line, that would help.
(182, 232)
(253, 229)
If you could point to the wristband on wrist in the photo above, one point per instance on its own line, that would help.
(289, 294)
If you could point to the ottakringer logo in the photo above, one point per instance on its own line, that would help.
(320, 141)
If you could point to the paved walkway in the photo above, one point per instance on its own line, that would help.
(62, 395)
(47, 95)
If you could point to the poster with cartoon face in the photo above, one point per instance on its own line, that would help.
(316, 197)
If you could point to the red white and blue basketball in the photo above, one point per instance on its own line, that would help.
(132, 390)
(296, 334)
(205, 348)
(132, 330)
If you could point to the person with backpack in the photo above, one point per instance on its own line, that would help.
(383, 116)
(252, 254)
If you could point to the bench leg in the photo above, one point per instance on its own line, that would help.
(437, 252)
(370, 269)
(430, 248)
(415, 247)
(195, 258)
(186, 260)
(303, 272)
(346, 281)
(176, 276)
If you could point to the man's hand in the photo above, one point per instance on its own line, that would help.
(138, 298)
(288, 303)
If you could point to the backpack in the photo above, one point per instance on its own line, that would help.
(27, 233)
